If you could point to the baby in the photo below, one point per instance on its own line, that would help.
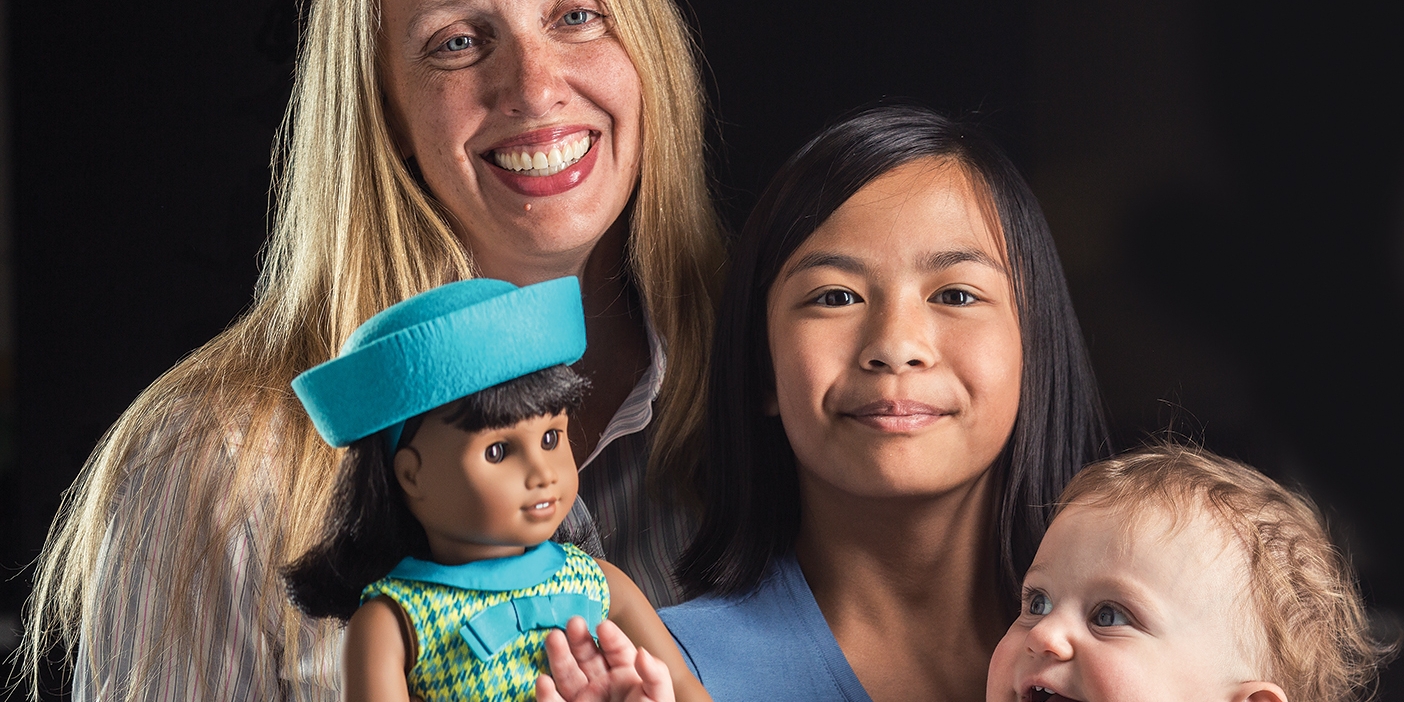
(1170, 573)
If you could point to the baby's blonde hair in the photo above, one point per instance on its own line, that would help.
(1318, 645)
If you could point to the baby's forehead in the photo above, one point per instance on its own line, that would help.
(1155, 530)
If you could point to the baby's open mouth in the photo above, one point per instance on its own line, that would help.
(544, 159)
(1043, 694)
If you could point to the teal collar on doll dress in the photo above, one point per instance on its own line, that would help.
(488, 632)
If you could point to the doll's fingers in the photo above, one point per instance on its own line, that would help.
(586, 654)
(618, 650)
(566, 677)
(546, 690)
(657, 681)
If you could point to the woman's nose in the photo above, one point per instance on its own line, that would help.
(534, 83)
(900, 339)
(1050, 637)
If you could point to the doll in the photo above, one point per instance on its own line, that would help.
(453, 405)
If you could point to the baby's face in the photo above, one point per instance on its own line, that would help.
(1117, 609)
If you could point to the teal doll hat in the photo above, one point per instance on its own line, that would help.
(438, 346)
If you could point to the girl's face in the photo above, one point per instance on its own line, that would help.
(895, 341)
(489, 493)
(524, 118)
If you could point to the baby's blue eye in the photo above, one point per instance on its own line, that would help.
(1039, 604)
(1107, 615)
(577, 17)
(495, 452)
(551, 439)
(838, 298)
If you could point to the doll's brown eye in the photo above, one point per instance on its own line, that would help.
(496, 452)
(551, 439)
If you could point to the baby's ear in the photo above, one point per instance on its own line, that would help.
(407, 462)
(1258, 691)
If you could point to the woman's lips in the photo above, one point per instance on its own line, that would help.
(545, 161)
(897, 416)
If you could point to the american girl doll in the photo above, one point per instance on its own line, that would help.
(1172, 573)
(436, 551)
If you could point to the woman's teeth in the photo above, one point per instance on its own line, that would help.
(543, 163)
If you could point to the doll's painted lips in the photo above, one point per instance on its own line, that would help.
(897, 416)
(542, 510)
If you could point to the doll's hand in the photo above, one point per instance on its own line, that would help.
(614, 671)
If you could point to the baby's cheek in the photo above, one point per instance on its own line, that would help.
(1000, 683)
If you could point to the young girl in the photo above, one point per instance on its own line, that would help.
(1171, 573)
(899, 388)
(454, 405)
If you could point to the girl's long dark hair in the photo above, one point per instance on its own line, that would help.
(749, 488)
(369, 529)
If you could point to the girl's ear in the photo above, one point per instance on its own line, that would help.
(407, 463)
(1258, 691)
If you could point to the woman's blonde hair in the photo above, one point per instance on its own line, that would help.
(354, 232)
(1303, 592)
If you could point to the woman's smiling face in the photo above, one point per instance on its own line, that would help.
(523, 117)
(895, 339)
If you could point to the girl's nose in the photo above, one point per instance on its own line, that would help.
(534, 84)
(1049, 637)
(900, 339)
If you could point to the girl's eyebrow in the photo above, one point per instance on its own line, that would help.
(933, 262)
(826, 259)
(941, 260)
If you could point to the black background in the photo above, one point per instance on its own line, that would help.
(1226, 185)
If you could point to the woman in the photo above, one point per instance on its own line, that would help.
(900, 390)
(401, 169)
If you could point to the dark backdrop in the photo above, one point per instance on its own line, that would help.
(1226, 188)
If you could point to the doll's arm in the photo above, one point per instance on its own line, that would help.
(630, 609)
(375, 654)
(614, 671)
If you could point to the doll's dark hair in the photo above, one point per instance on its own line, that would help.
(369, 529)
(748, 485)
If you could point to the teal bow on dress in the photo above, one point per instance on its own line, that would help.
(491, 630)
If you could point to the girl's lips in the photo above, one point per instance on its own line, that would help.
(542, 186)
(897, 416)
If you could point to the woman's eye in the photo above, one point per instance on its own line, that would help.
(1107, 615)
(551, 439)
(578, 17)
(1039, 604)
(838, 298)
(496, 452)
(459, 43)
(956, 297)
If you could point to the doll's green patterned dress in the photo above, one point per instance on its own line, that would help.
(481, 626)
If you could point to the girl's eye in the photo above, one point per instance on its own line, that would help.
(837, 298)
(460, 43)
(496, 452)
(551, 439)
(578, 17)
(1107, 615)
(956, 297)
(1039, 604)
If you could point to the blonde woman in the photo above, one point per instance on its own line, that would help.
(427, 141)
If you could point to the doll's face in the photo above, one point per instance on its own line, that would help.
(490, 493)
(1117, 609)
